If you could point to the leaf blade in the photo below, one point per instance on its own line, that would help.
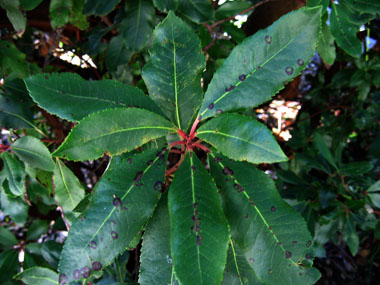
(43, 276)
(15, 174)
(116, 131)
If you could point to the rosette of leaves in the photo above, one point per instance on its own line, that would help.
(207, 214)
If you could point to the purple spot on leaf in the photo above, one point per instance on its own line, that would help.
(242, 77)
(273, 209)
(150, 162)
(129, 161)
(158, 186)
(116, 202)
(114, 235)
(96, 265)
(288, 254)
(308, 256)
(218, 111)
(228, 171)
(211, 106)
(92, 244)
(268, 39)
(62, 279)
(308, 244)
(86, 271)
(300, 62)
(289, 70)
(76, 274)
(251, 260)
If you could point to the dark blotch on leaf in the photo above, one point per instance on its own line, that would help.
(96, 265)
(158, 186)
(242, 77)
(92, 244)
(300, 62)
(150, 162)
(218, 111)
(116, 202)
(238, 187)
(270, 271)
(228, 171)
(294, 242)
(308, 256)
(86, 271)
(62, 279)
(251, 260)
(289, 70)
(279, 243)
(308, 244)
(193, 168)
(211, 106)
(138, 176)
(246, 216)
(300, 274)
(76, 274)
(268, 39)
(273, 209)
(288, 254)
(217, 159)
(114, 235)
(129, 161)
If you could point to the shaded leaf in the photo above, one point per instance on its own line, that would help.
(14, 15)
(198, 229)
(117, 53)
(231, 8)
(116, 131)
(12, 60)
(174, 71)
(7, 238)
(314, 3)
(14, 174)
(241, 138)
(326, 47)
(156, 263)
(271, 234)
(374, 194)
(323, 149)
(351, 237)
(30, 4)
(137, 24)
(344, 32)
(16, 208)
(356, 168)
(37, 229)
(257, 68)
(121, 203)
(238, 271)
(77, 18)
(9, 265)
(99, 7)
(32, 151)
(165, 5)
(68, 190)
(38, 275)
(59, 13)
(65, 94)
(197, 11)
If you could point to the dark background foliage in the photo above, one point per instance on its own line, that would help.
(332, 138)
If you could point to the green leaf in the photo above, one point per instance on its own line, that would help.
(7, 238)
(356, 168)
(117, 53)
(369, 6)
(68, 190)
(241, 138)
(314, 3)
(9, 265)
(65, 94)
(374, 194)
(271, 234)
(326, 47)
(198, 229)
(15, 174)
(12, 60)
(38, 275)
(15, 207)
(77, 18)
(257, 68)
(229, 9)
(156, 263)
(165, 5)
(355, 14)
(137, 25)
(344, 32)
(32, 151)
(197, 11)
(99, 7)
(59, 13)
(14, 15)
(37, 229)
(351, 237)
(122, 202)
(323, 149)
(29, 5)
(238, 271)
(174, 71)
(114, 132)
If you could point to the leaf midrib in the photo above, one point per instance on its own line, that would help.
(237, 138)
(28, 151)
(64, 182)
(11, 173)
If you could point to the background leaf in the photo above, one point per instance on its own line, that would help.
(38, 275)
(59, 13)
(99, 7)
(65, 94)
(15, 207)
(122, 202)
(197, 11)
(112, 131)
(198, 229)
(165, 5)
(14, 173)
(241, 138)
(30, 4)
(14, 15)
(271, 234)
(279, 52)
(326, 47)
(32, 151)
(174, 71)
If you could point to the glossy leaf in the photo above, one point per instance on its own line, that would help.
(165, 5)
(114, 132)
(65, 94)
(323, 149)
(12, 60)
(238, 271)
(36, 229)
(174, 71)
(32, 151)
(369, 6)
(241, 138)
(356, 14)
(231, 8)
(198, 229)
(15, 174)
(197, 11)
(257, 68)
(38, 275)
(99, 7)
(14, 15)
(326, 47)
(9, 265)
(15, 207)
(271, 234)
(344, 32)
(117, 53)
(59, 13)
(122, 202)
(7, 238)
(30, 4)
(13, 114)
(156, 263)
(68, 190)
(137, 25)
(314, 3)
